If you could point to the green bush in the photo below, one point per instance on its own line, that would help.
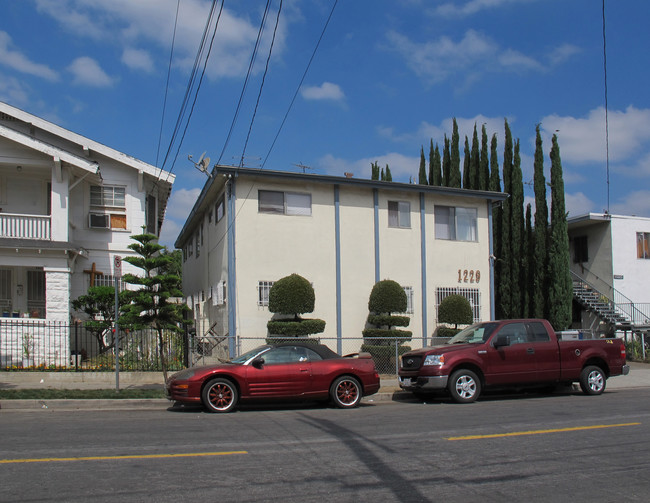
(292, 295)
(387, 296)
(455, 309)
(447, 332)
(293, 328)
(384, 356)
(385, 320)
(274, 341)
(379, 336)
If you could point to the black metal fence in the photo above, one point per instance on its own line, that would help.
(39, 345)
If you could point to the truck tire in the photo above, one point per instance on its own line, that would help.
(592, 380)
(464, 386)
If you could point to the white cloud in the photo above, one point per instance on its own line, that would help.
(635, 203)
(459, 9)
(562, 53)
(87, 72)
(326, 91)
(577, 204)
(401, 167)
(12, 91)
(137, 59)
(179, 206)
(13, 58)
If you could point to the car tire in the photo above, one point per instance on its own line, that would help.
(592, 380)
(345, 392)
(220, 395)
(464, 386)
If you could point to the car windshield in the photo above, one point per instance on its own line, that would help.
(249, 354)
(474, 334)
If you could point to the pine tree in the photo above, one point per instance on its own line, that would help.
(446, 163)
(560, 293)
(422, 175)
(455, 179)
(484, 162)
(435, 177)
(467, 184)
(540, 279)
(517, 249)
(474, 161)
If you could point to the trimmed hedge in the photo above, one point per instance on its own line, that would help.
(380, 336)
(447, 332)
(274, 341)
(385, 320)
(387, 296)
(293, 328)
(292, 294)
(455, 309)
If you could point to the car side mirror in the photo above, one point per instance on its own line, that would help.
(258, 362)
(501, 340)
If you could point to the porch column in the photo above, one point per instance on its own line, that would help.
(59, 197)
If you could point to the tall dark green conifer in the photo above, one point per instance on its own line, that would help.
(422, 175)
(540, 279)
(484, 162)
(474, 161)
(517, 249)
(389, 176)
(435, 176)
(560, 293)
(504, 288)
(495, 186)
(375, 171)
(529, 264)
(467, 183)
(455, 179)
(446, 163)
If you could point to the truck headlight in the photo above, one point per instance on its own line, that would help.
(434, 360)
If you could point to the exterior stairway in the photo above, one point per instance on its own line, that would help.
(598, 303)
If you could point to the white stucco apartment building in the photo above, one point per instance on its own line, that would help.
(611, 254)
(252, 227)
(68, 206)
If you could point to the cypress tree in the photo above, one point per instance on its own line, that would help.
(466, 174)
(560, 293)
(446, 163)
(540, 278)
(517, 236)
(529, 264)
(375, 171)
(422, 175)
(484, 168)
(435, 177)
(454, 172)
(495, 186)
(474, 161)
(504, 288)
(389, 177)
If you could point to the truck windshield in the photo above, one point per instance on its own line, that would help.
(474, 334)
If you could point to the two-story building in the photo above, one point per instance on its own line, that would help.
(251, 227)
(68, 206)
(610, 265)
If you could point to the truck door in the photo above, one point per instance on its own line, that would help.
(515, 362)
(547, 352)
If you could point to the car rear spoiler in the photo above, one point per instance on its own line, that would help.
(358, 355)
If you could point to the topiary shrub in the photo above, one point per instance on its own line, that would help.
(456, 310)
(387, 296)
(292, 296)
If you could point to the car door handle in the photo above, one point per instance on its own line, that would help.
(530, 351)
(304, 370)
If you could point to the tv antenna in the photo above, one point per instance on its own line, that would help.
(202, 165)
(303, 167)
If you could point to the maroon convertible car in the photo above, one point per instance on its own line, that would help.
(286, 371)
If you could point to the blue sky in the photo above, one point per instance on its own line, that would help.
(387, 77)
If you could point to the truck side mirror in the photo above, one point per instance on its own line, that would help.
(501, 340)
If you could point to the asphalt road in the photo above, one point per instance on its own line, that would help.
(563, 447)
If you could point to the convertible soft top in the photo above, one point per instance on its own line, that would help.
(323, 351)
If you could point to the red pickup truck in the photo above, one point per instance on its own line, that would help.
(510, 353)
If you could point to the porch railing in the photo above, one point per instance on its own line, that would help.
(25, 226)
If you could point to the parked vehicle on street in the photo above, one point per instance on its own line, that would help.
(510, 353)
(303, 371)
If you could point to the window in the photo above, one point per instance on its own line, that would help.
(219, 210)
(515, 333)
(107, 207)
(151, 215)
(473, 295)
(5, 291)
(643, 244)
(456, 224)
(538, 332)
(399, 214)
(284, 203)
(36, 293)
(263, 288)
(109, 280)
(580, 249)
(408, 290)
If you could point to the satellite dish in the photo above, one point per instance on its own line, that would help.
(202, 165)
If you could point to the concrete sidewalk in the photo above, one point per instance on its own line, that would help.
(638, 377)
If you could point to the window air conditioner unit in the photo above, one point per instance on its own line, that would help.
(98, 221)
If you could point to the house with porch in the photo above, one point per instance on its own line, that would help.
(251, 227)
(68, 206)
(610, 266)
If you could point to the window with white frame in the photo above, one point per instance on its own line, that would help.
(643, 245)
(107, 207)
(399, 214)
(263, 289)
(408, 290)
(456, 223)
(284, 203)
(473, 295)
(109, 280)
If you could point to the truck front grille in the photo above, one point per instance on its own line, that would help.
(411, 362)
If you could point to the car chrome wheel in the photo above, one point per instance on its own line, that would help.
(220, 395)
(592, 380)
(346, 392)
(464, 386)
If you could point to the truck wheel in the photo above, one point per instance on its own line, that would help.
(592, 380)
(464, 386)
